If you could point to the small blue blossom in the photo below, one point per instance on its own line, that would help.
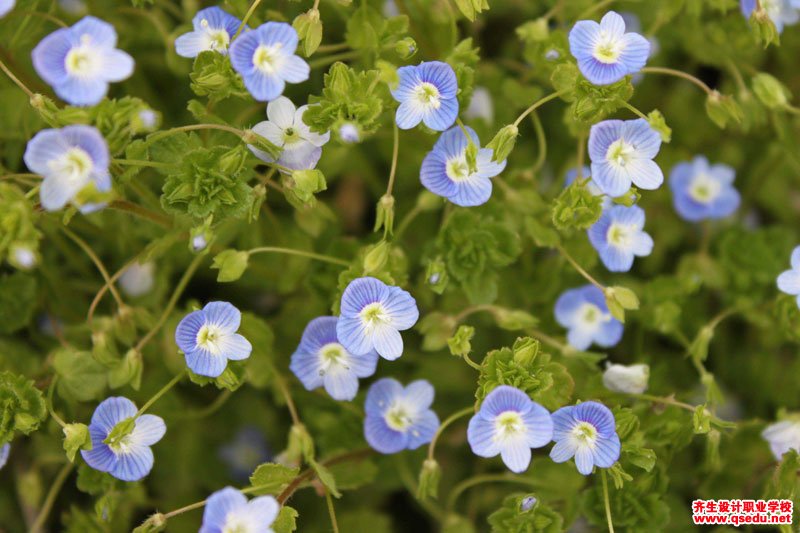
(480, 106)
(228, 510)
(138, 279)
(446, 173)
(68, 159)
(130, 458)
(245, 452)
(266, 60)
(427, 93)
(605, 53)
(591, 186)
(583, 311)
(301, 147)
(399, 418)
(6, 6)
(618, 237)
(213, 30)
(783, 436)
(622, 153)
(372, 316)
(321, 360)
(527, 503)
(5, 450)
(80, 61)
(702, 191)
(208, 338)
(588, 432)
(509, 424)
(789, 280)
(348, 133)
(780, 12)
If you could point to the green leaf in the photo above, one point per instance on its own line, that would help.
(80, 376)
(644, 458)
(659, 124)
(459, 343)
(326, 478)
(231, 378)
(272, 478)
(231, 265)
(213, 76)
(22, 404)
(286, 521)
(76, 437)
(515, 516)
(18, 293)
(502, 144)
(349, 96)
(309, 30)
(701, 420)
(576, 207)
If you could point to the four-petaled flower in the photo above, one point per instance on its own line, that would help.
(783, 436)
(509, 423)
(372, 316)
(780, 12)
(213, 30)
(588, 432)
(228, 511)
(622, 153)
(128, 457)
(605, 53)
(69, 159)
(80, 61)
(266, 60)
(301, 147)
(446, 172)
(427, 93)
(618, 237)
(399, 418)
(626, 379)
(321, 360)
(789, 280)
(583, 311)
(702, 191)
(208, 338)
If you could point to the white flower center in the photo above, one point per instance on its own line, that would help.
(82, 60)
(122, 446)
(508, 425)
(428, 95)
(398, 417)
(374, 315)
(607, 48)
(74, 165)
(267, 59)
(457, 168)
(235, 524)
(584, 433)
(704, 189)
(620, 153)
(332, 355)
(620, 235)
(209, 337)
(217, 40)
(591, 316)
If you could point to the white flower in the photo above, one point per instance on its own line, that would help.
(285, 128)
(630, 379)
(480, 105)
(783, 436)
(137, 279)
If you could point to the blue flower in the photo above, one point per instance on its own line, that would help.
(781, 12)
(69, 159)
(213, 30)
(228, 510)
(618, 237)
(622, 153)
(605, 53)
(6, 6)
(349, 133)
(583, 311)
(372, 316)
(783, 436)
(130, 458)
(301, 147)
(80, 61)
(245, 452)
(427, 93)
(702, 191)
(789, 281)
(266, 61)
(208, 338)
(509, 423)
(480, 106)
(5, 450)
(445, 170)
(591, 186)
(321, 360)
(399, 418)
(588, 432)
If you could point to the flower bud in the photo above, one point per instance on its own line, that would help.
(503, 143)
(630, 379)
(384, 217)
(770, 91)
(309, 29)
(429, 477)
(306, 183)
(514, 319)
(231, 265)
(459, 343)
(722, 109)
(405, 48)
(764, 28)
(138, 279)
(376, 257)
(436, 275)
(22, 256)
(527, 503)
(349, 133)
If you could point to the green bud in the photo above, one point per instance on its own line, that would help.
(514, 319)
(427, 201)
(471, 155)
(534, 31)
(503, 143)
(309, 28)
(657, 122)
(376, 257)
(770, 91)
(154, 524)
(231, 265)
(699, 347)
(615, 308)
(701, 420)
(624, 296)
(459, 343)
(405, 48)
(76, 437)
(722, 109)
(306, 183)
(429, 476)
(261, 143)
(257, 196)
(301, 445)
(525, 350)
(128, 371)
(436, 329)
(231, 162)
(384, 217)
(713, 460)
(23, 255)
(631, 197)
(436, 275)
(764, 29)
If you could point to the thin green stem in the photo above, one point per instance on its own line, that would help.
(410, 216)
(581, 156)
(665, 401)
(634, 110)
(141, 163)
(327, 60)
(287, 396)
(579, 268)
(16, 80)
(174, 381)
(395, 152)
(212, 408)
(449, 420)
(547, 339)
(470, 362)
(141, 212)
(246, 17)
(596, 7)
(99, 264)
(184, 509)
(472, 309)
(542, 142)
(37, 14)
(192, 127)
(301, 253)
(485, 478)
(338, 47)
(331, 511)
(55, 488)
(535, 105)
(606, 502)
(50, 408)
(679, 74)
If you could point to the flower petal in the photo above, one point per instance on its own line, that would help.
(516, 455)
(606, 451)
(563, 451)
(134, 464)
(423, 430)
(480, 435)
(218, 506)
(381, 437)
(280, 112)
(340, 383)
(235, 347)
(223, 315)
(187, 330)
(539, 424)
(381, 395)
(148, 429)
(387, 341)
(204, 363)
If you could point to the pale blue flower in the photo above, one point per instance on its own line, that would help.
(6, 6)
(427, 93)
(789, 280)
(130, 458)
(783, 436)
(208, 338)
(480, 105)
(399, 418)
(349, 133)
(446, 173)
(605, 53)
(781, 12)
(300, 147)
(509, 424)
(5, 450)
(138, 279)
(80, 61)
(228, 511)
(622, 153)
(701, 191)
(588, 432)
(583, 311)
(321, 360)
(618, 237)
(68, 159)
(213, 30)
(266, 60)
(372, 316)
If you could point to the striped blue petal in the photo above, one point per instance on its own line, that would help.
(218, 506)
